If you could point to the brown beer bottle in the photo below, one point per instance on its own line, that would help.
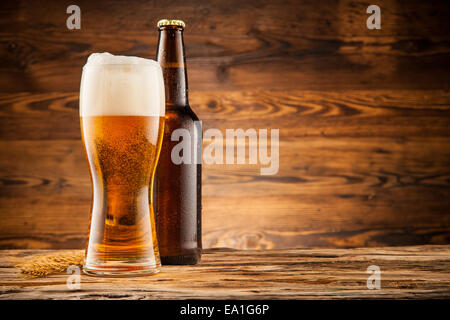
(177, 194)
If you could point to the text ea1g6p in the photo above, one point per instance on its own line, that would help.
(228, 309)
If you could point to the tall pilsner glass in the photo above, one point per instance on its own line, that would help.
(122, 108)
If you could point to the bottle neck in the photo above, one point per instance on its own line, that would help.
(172, 59)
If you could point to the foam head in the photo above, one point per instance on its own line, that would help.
(121, 86)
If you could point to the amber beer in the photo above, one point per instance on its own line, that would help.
(178, 200)
(122, 123)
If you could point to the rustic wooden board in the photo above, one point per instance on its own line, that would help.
(419, 272)
(364, 167)
(235, 45)
(397, 114)
(357, 168)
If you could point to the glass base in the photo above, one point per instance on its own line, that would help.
(119, 269)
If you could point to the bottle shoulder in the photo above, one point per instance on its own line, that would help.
(182, 112)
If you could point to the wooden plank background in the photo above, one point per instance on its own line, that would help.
(363, 115)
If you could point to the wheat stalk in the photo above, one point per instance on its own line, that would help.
(42, 265)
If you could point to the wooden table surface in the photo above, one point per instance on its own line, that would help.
(416, 272)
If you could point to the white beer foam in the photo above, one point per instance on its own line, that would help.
(121, 86)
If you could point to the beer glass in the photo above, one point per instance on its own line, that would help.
(122, 108)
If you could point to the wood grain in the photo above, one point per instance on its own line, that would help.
(285, 44)
(364, 117)
(420, 272)
(399, 114)
(383, 182)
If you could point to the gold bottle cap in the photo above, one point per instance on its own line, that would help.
(170, 22)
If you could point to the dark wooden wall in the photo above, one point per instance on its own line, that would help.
(363, 115)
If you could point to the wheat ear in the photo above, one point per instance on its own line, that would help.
(43, 265)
